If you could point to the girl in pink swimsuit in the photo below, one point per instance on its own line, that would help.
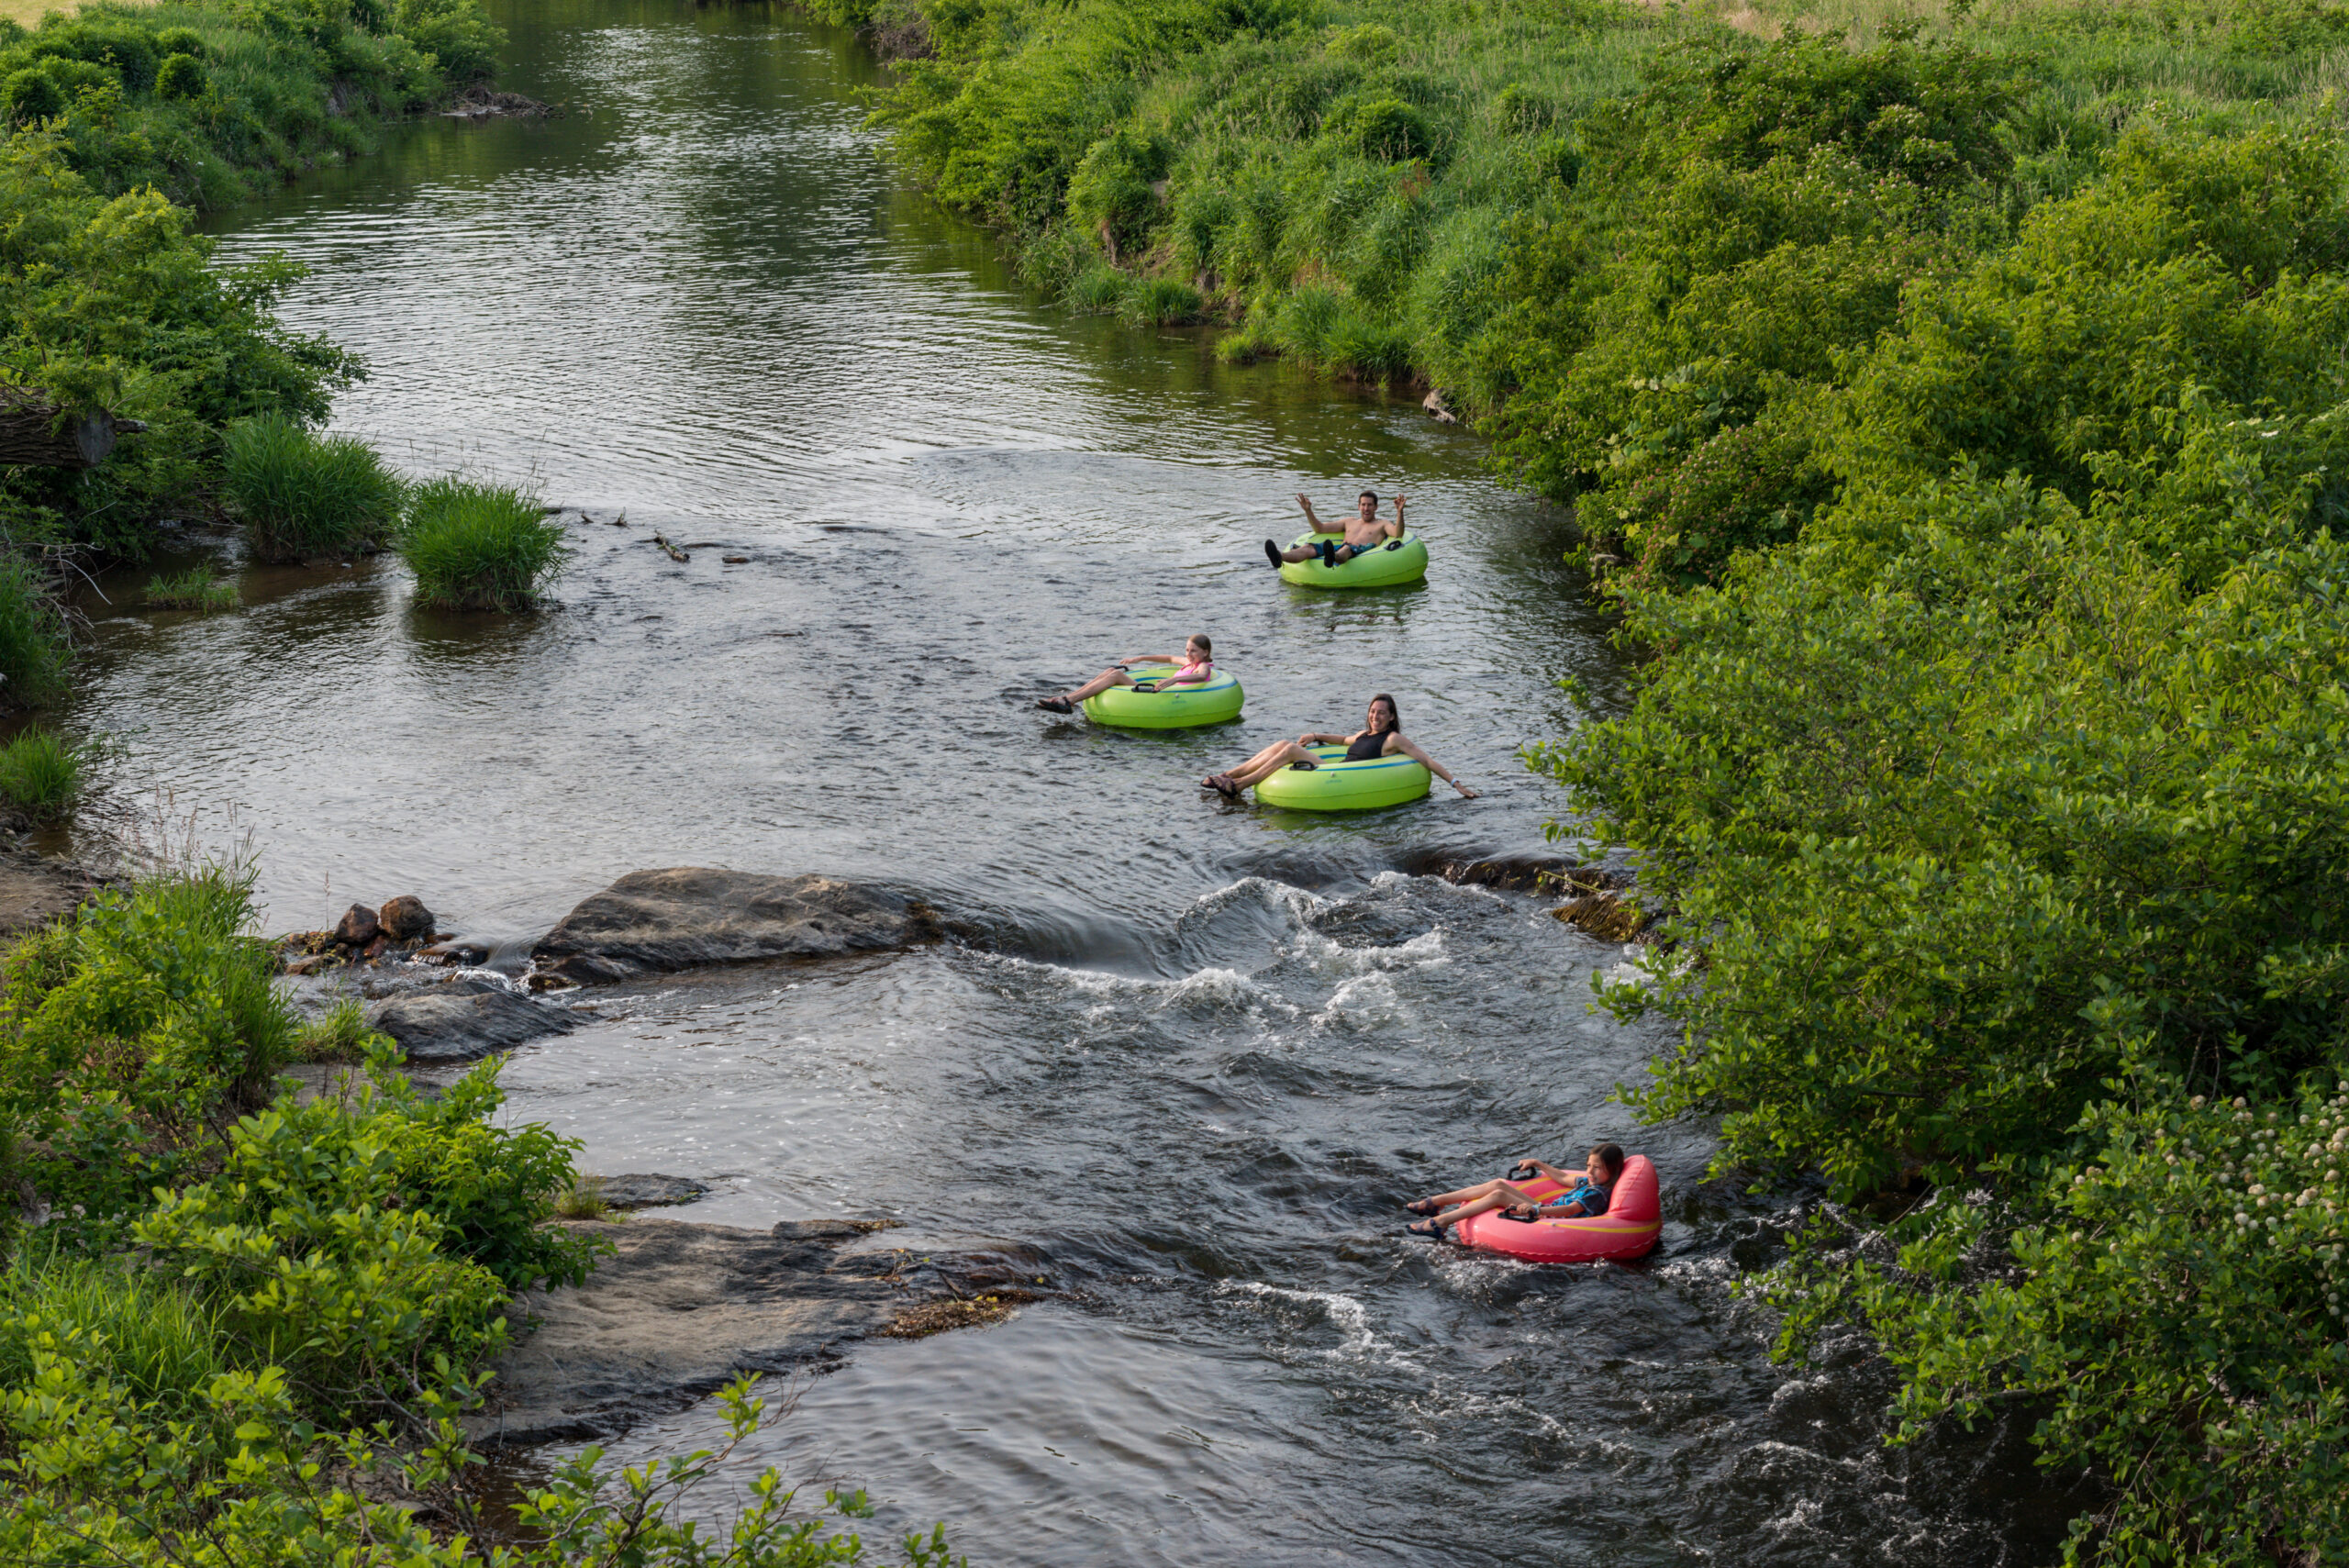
(1198, 662)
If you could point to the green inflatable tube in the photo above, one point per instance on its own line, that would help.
(1209, 702)
(1339, 785)
(1402, 560)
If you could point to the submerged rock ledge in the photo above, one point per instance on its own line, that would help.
(682, 1309)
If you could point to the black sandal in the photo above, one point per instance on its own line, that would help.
(1423, 1206)
(1428, 1229)
(1057, 704)
(1273, 555)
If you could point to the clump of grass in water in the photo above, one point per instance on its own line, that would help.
(480, 547)
(197, 588)
(341, 1034)
(41, 775)
(583, 1199)
(302, 494)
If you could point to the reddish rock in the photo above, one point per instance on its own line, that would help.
(375, 946)
(358, 926)
(406, 919)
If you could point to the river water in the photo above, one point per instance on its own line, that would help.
(1195, 1053)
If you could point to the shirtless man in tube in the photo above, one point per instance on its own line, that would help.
(1363, 533)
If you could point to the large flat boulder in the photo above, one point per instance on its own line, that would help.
(457, 1024)
(680, 1310)
(659, 921)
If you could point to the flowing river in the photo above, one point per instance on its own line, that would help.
(1195, 1052)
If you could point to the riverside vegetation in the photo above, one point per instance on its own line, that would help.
(236, 1326)
(122, 122)
(1956, 408)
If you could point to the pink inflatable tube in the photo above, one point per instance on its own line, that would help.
(1628, 1229)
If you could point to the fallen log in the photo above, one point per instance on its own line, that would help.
(31, 435)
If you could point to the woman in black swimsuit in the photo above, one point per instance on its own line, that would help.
(1381, 738)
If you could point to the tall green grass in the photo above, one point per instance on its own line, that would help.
(302, 496)
(41, 775)
(33, 645)
(476, 546)
(150, 1336)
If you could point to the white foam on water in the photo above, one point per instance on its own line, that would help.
(1342, 1312)
(1216, 986)
(1296, 902)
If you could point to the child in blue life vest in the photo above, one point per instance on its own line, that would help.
(1586, 1192)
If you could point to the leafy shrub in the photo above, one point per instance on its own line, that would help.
(31, 95)
(1161, 302)
(33, 636)
(1112, 195)
(2174, 1308)
(301, 494)
(39, 774)
(179, 40)
(478, 546)
(181, 77)
(128, 1033)
(197, 588)
(457, 34)
(303, 1243)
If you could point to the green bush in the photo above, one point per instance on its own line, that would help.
(301, 496)
(1388, 129)
(2174, 1308)
(1111, 195)
(480, 547)
(181, 77)
(179, 40)
(39, 774)
(303, 1243)
(126, 1036)
(197, 588)
(31, 95)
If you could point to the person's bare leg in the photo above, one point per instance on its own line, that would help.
(1465, 1194)
(1268, 761)
(1099, 684)
(1231, 784)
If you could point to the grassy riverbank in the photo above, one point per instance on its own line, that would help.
(1954, 404)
